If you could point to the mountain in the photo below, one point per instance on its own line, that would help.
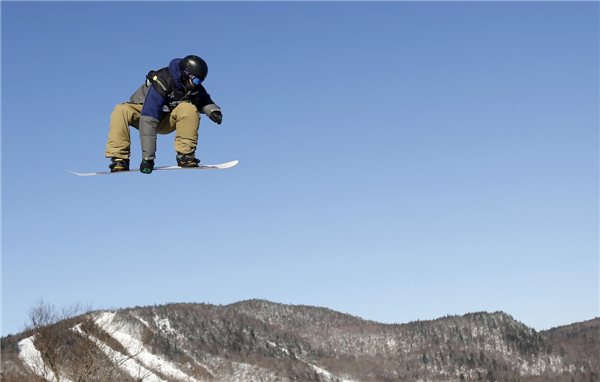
(259, 340)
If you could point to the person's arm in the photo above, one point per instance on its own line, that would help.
(205, 105)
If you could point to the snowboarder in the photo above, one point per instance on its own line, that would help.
(171, 99)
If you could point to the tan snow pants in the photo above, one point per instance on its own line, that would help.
(184, 119)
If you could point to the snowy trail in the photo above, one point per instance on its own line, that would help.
(134, 346)
(124, 362)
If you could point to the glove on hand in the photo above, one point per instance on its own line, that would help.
(147, 166)
(216, 117)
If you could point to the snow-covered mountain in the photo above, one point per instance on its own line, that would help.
(258, 340)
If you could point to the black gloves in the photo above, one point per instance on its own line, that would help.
(147, 166)
(216, 117)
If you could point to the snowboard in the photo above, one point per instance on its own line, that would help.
(221, 166)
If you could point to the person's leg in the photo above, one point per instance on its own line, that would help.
(186, 120)
(119, 141)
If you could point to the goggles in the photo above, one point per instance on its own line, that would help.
(195, 80)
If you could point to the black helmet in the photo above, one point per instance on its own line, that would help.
(193, 65)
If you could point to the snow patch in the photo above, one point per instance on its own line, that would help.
(141, 320)
(118, 331)
(32, 358)
(163, 324)
(125, 362)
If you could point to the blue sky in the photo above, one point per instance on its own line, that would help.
(398, 160)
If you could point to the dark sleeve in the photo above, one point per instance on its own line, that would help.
(201, 99)
(151, 111)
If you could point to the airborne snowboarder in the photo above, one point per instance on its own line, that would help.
(170, 100)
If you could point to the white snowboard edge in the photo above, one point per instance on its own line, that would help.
(220, 166)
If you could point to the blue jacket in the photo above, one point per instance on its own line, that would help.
(171, 92)
(161, 93)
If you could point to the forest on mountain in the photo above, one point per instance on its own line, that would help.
(258, 340)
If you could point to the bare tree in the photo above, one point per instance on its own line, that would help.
(71, 345)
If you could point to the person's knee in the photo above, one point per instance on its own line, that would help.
(186, 110)
(125, 115)
(120, 109)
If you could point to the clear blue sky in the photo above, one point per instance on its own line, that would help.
(398, 160)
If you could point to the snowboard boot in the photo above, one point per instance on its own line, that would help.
(119, 164)
(187, 160)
